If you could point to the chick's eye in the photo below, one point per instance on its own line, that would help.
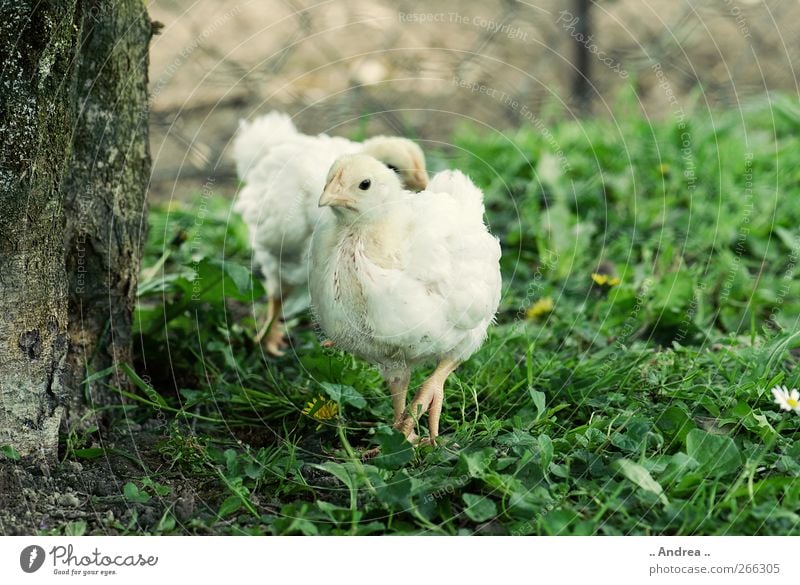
(365, 184)
(394, 168)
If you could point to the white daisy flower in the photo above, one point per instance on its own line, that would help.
(786, 399)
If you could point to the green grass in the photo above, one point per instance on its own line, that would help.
(642, 408)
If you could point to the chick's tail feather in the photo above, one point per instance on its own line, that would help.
(254, 139)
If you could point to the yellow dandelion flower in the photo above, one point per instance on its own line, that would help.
(321, 409)
(540, 307)
(605, 279)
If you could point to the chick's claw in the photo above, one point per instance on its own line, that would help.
(275, 340)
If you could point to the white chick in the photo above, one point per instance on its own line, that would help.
(284, 173)
(400, 279)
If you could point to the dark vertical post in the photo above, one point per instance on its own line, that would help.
(582, 88)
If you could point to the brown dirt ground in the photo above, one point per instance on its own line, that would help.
(36, 498)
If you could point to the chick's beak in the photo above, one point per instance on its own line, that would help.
(333, 195)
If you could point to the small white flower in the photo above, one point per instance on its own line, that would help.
(786, 399)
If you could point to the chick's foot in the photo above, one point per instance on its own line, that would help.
(429, 398)
(275, 340)
(272, 337)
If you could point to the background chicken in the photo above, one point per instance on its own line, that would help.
(284, 173)
(400, 279)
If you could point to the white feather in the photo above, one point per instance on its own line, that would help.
(254, 139)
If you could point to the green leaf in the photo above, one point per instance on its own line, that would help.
(788, 238)
(675, 423)
(517, 438)
(678, 465)
(717, 455)
(230, 505)
(98, 375)
(546, 450)
(538, 401)
(476, 463)
(158, 489)
(339, 471)
(151, 392)
(293, 519)
(396, 451)
(479, 508)
(240, 275)
(558, 522)
(231, 462)
(77, 528)
(396, 492)
(672, 294)
(215, 280)
(10, 452)
(641, 477)
(134, 494)
(167, 522)
(90, 453)
(323, 367)
(344, 395)
(254, 470)
(750, 419)
(634, 436)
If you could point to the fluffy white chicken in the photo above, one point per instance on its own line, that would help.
(400, 278)
(284, 173)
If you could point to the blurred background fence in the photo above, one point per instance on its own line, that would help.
(422, 68)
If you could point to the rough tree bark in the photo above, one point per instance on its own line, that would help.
(106, 188)
(36, 54)
(73, 170)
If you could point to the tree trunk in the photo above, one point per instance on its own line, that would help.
(37, 48)
(73, 170)
(106, 189)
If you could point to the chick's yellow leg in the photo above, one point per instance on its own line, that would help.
(271, 336)
(428, 399)
(398, 386)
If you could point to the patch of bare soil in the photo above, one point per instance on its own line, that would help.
(36, 498)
